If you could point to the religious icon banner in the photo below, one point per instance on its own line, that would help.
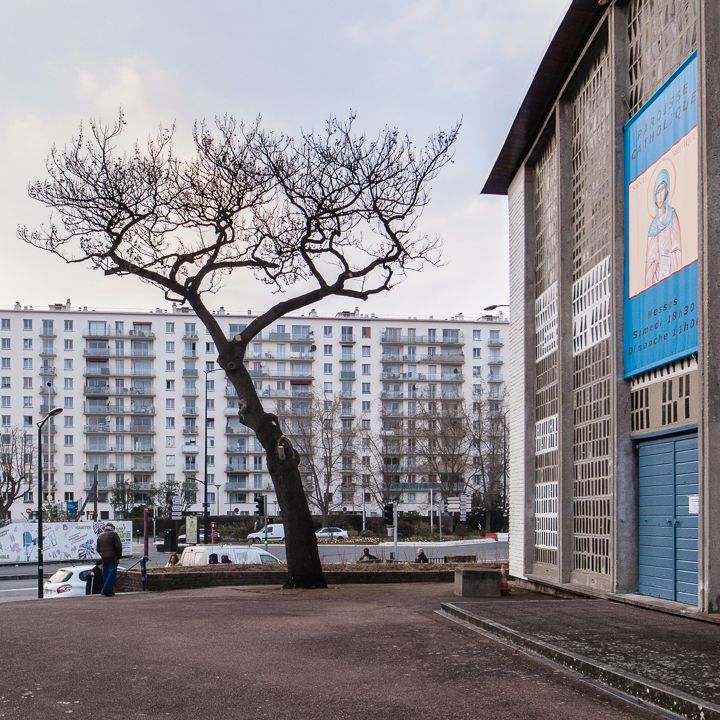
(661, 225)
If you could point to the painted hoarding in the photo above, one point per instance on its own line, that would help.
(61, 541)
(661, 225)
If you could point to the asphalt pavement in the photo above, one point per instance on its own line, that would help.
(346, 653)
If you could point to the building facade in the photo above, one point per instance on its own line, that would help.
(611, 170)
(146, 409)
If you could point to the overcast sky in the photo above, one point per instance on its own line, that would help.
(417, 64)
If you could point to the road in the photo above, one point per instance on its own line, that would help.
(14, 590)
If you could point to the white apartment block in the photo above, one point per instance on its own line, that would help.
(132, 386)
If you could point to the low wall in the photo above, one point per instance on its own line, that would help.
(186, 579)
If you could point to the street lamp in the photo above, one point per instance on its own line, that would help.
(52, 413)
(495, 307)
(206, 504)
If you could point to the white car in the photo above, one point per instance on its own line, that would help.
(331, 533)
(68, 581)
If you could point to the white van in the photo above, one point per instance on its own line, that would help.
(238, 554)
(275, 531)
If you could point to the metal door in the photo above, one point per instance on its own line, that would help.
(668, 532)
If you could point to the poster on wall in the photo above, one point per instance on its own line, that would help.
(662, 225)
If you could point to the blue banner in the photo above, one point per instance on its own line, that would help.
(661, 225)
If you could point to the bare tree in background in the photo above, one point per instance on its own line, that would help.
(326, 445)
(490, 433)
(331, 213)
(16, 467)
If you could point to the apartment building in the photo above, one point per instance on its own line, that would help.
(145, 404)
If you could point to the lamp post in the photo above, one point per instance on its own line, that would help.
(52, 413)
(206, 504)
(495, 307)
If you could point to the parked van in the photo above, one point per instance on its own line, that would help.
(275, 531)
(239, 554)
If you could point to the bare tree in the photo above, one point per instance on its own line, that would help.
(331, 213)
(326, 445)
(490, 433)
(185, 489)
(16, 467)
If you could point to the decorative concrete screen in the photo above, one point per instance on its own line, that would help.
(591, 321)
(546, 357)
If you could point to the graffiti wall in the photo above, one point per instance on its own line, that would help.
(61, 541)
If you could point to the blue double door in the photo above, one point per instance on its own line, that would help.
(668, 518)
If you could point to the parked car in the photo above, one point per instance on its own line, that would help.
(331, 533)
(195, 555)
(275, 532)
(68, 581)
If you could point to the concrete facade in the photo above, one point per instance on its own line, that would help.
(579, 421)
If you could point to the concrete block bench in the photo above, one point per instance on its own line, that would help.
(477, 582)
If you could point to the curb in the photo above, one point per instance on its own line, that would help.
(648, 691)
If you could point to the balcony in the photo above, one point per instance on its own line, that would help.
(190, 448)
(240, 430)
(141, 486)
(97, 372)
(495, 343)
(141, 429)
(236, 486)
(93, 389)
(347, 374)
(495, 361)
(190, 412)
(143, 467)
(96, 352)
(190, 469)
(140, 449)
(138, 333)
(190, 336)
(147, 373)
(190, 430)
(495, 379)
(48, 371)
(235, 448)
(189, 373)
(97, 428)
(452, 377)
(236, 468)
(391, 395)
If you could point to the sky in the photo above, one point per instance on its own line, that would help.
(419, 65)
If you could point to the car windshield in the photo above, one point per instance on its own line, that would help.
(61, 576)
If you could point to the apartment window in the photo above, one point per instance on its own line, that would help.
(169, 366)
(27, 401)
(69, 480)
(366, 406)
(366, 351)
(210, 426)
(68, 325)
(210, 347)
(5, 382)
(68, 344)
(327, 349)
(27, 344)
(68, 383)
(366, 369)
(169, 403)
(68, 459)
(67, 364)
(27, 420)
(327, 368)
(5, 420)
(27, 383)
(494, 335)
(327, 330)
(170, 327)
(476, 353)
(169, 384)
(68, 440)
(365, 424)
(5, 401)
(210, 404)
(169, 422)
(327, 387)
(67, 421)
(170, 460)
(170, 441)
(366, 388)
(68, 402)
(170, 346)
(5, 363)
(27, 324)
(5, 343)
(5, 324)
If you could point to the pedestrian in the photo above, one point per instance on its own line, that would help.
(225, 559)
(213, 559)
(367, 556)
(109, 547)
(173, 560)
(421, 556)
(94, 579)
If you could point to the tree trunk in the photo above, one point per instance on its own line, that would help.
(303, 558)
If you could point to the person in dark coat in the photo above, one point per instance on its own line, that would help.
(421, 556)
(109, 547)
(94, 581)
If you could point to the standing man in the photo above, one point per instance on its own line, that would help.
(109, 547)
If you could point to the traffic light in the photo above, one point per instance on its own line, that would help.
(388, 514)
(260, 505)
